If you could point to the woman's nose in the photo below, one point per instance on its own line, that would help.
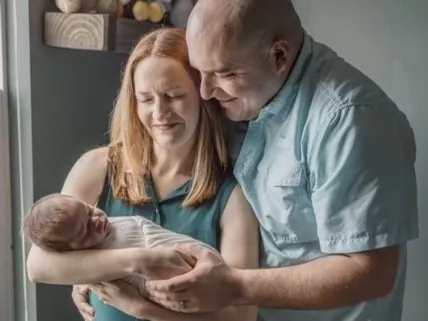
(161, 109)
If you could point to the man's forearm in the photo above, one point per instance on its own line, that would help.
(326, 283)
(80, 267)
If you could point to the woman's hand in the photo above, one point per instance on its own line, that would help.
(124, 297)
(80, 297)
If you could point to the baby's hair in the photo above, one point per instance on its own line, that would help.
(44, 222)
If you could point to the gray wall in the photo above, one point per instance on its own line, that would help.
(388, 40)
(60, 103)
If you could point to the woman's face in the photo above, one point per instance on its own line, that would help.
(168, 103)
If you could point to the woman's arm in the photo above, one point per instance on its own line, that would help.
(240, 245)
(82, 267)
(85, 182)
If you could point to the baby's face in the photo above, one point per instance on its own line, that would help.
(89, 227)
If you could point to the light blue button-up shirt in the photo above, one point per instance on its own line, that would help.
(328, 168)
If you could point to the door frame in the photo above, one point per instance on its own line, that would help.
(6, 254)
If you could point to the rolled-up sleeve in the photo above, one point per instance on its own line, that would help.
(362, 180)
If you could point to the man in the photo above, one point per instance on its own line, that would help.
(327, 164)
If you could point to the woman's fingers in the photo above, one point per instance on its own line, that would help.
(81, 300)
(161, 297)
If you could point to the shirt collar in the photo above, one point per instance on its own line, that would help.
(289, 89)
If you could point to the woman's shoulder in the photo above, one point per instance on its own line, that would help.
(97, 156)
(86, 177)
(92, 161)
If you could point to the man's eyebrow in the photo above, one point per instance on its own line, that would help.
(221, 70)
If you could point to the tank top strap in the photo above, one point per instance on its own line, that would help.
(102, 201)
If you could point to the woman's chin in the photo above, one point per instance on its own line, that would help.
(171, 142)
(168, 143)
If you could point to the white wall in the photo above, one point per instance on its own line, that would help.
(388, 40)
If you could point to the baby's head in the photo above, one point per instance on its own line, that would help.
(60, 223)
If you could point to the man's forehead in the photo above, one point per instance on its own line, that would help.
(214, 57)
(212, 44)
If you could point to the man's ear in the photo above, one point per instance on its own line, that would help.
(279, 53)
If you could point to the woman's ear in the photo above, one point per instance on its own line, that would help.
(279, 53)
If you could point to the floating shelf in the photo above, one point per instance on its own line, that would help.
(100, 32)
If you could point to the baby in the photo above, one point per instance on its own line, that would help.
(61, 223)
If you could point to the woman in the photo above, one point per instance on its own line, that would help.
(167, 161)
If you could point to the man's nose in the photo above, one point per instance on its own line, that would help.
(207, 88)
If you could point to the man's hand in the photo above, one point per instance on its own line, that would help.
(163, 264)
(210, 286)
(80, 297)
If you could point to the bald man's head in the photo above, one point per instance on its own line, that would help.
(244, 50)
(245, 22)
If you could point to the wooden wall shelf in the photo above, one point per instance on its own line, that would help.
(98, 32)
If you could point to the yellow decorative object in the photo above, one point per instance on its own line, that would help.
(140, 11)
(157, 11)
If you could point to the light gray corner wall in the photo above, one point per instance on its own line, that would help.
(388, 40)
(60, 103)
(19, 86)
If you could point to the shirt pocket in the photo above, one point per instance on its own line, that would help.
(288, 214)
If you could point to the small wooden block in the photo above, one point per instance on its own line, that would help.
(77, 31)
(100, 32)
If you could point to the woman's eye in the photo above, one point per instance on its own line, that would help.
(176, 96)
(144, 99)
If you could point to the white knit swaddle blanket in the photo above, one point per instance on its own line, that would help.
(137, 231)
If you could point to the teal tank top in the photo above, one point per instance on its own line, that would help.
(201, 222)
